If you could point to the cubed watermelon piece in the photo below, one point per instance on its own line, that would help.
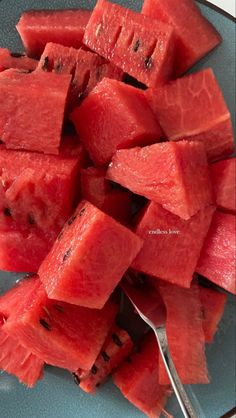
(89, 258)
(61, 334)
(14, 358)
(116, 349)
(65, 27)
(173, 174)
(114, 116)
(213, 304)
(142, 47)
(10, 59)
(43, 97)
(223, 175)
(168, 240)
(138, 379)
(195, 34)
(37, 190)
(99, 191)
(218, 256)
(87, 69)
(193, 108)
(185, 334)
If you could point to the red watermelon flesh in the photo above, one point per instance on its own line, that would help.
(9, 302)
(98, 191)
(218, 256)
(185, 334)
(138, 379)
(114, 116)
(14, 358)
(195, 34)
(193, 108)
(116, 349)
(223, 174)
(173, 174)
(61, 334)
(213, 304)
(142, 47)
(89, 258)
(86, 68)
(168, 240)
(36, 190)
(43, 97)
(18, 360)
(65, 27)
(10, 59)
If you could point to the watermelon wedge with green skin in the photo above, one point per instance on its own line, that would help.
(195, 34)
(185, 334)
(38, 27)
(223, 175)
(193, 108)
(218, 256)
(168, 240)
(61, 334)
(10, 59)
(114, 116)
(43, 96)
(87, 69)
(144, 48)
(116, 349)
(138, 379)
(99, 191)
(173, 174)
(213, 304)
(89, 258)
(14, 358)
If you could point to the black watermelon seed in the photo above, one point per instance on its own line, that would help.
(81, 212)
(45, 64)
(30, 275)
(94, 369)
(105, 356)
(128, 360)
(136, 46)
(98, 72)
(17, 55)
(31, 220)
(148, 62)
(71, 220)
(97, 385)
(116, 340)
(59, 308)
(67, 255)
(58, 67)
(60, 235)
(76, 378)
(45, 324)
(7, 212)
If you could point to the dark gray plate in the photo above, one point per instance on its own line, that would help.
(57, 396)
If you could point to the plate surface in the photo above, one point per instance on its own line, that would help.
(57, 396)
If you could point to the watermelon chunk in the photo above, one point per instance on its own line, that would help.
(173, 174)
(193, 108)
(38, 27)
(168, 240)
(10, 59)
(14, 358)
(89, 258)
(138, 380)
(223, 174)
(218, 256)
(142, 47)
(116, 349)
(185, 334)
(114, 116)
(61, 334)
(213, 304)
(87, 69)
(195, 34)
(98, 190)
(43, 97)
